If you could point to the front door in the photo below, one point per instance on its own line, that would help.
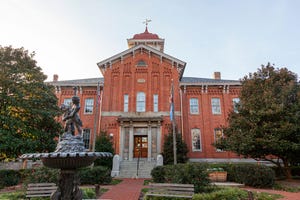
(140, 146)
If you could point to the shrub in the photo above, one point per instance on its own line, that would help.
(259, 176)
(223, 194)
(42, 175)
(95, 175)
(189, 173)
(88, 193)
(9, 178)
(158, 174)
(295, 170)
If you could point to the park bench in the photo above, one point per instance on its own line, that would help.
(40, 190)
(171, 190)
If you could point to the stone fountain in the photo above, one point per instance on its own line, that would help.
(70, 154)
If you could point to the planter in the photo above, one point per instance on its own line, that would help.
(217, 176)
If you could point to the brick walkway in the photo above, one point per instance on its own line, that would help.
(128, 189)
(286, 195)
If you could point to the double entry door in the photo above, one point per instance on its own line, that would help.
(140, 146)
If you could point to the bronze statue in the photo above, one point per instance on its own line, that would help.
(71, 117)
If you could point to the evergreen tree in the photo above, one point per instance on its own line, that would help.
(104, 144)
(168, 153)
(28, 106)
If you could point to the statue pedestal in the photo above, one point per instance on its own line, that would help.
(68, 186)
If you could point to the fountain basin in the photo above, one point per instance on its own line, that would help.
(67, 160)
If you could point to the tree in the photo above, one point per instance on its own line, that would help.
(168, 153)
(104, 144)
(28, 106)
(266, 125)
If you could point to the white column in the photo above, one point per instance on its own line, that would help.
(131, 142)
(149, 142)
(122, 139)
(158, 146)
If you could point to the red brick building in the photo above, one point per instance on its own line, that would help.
(135, 109)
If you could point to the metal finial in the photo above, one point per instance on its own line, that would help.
(147, 21)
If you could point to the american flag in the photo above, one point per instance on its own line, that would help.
(98, 94)
(98, 97)
(172, 102)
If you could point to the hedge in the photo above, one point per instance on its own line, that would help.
(9, 178)
(189, 173)
(259, 176)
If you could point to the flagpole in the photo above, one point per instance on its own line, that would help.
(96, 117)
(173, 123)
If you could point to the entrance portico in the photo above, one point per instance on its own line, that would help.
(140, 137)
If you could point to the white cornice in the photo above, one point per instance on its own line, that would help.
(107, 62)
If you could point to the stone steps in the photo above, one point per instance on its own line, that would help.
(128, 169)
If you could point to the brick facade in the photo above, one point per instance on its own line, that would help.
(135, 91)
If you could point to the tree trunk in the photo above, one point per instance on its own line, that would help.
(287, 169)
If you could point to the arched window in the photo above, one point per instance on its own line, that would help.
(140, 102)
(141, 63)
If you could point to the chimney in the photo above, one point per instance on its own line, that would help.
(55, 77)
(217, 75)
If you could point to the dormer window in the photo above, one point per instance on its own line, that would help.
(141, 63)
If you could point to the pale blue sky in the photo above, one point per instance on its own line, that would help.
(231, 36)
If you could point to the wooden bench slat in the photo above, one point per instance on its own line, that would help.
(48, 188)
(174, 188)
(171, 190)
(169, 184)
(170, 195)
(40, 184)
(40, 189)
(38, 195)
(40, 192)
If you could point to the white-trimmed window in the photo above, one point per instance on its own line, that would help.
(86, 138)
(140, 102)
(126, 102)
(155, 103)
(218, 133)
(88, 106)
(235, 102)
(216, 106)
(194, 106)
(68, 102)
(196, 139)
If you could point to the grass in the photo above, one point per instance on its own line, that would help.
(88, 193)
(115, 181)
(12, 195)
(279, 186)
(228, 193)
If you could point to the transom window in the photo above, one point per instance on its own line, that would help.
(194, 106)
(88, 107)
(196, 139)
(140, 102)
(216, 106)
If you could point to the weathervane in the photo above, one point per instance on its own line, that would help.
(146, 22)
